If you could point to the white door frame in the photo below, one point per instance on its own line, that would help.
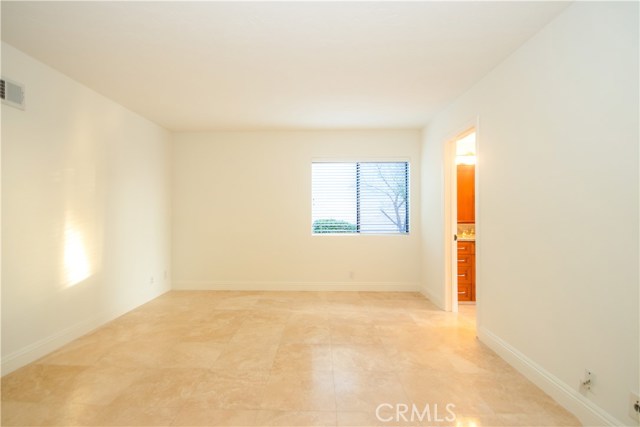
(450, 226)
(451, 212)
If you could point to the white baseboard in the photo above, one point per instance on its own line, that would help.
(437, 301)
(587, 412)
(41, 348)
(295, 286)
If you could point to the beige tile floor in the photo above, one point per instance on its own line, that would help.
(279, 359)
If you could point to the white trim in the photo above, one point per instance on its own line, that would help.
(296, 286)
(361, 159)
(478, 223)
(431, 297)
(355, 233)
(41, 348)
(450, 226)
(588, 412)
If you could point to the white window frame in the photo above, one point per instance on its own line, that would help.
(365, 160)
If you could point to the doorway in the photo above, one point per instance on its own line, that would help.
(461, 160)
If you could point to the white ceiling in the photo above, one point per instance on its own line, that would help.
(267, 65)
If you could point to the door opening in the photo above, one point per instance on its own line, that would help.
(461, 221)
(466, 217)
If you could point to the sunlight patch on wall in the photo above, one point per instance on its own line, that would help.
(77, 267)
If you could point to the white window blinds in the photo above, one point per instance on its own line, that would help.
(360, 197)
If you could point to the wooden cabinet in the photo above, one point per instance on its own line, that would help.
(466, 194)
(466, 249)
(466, 271)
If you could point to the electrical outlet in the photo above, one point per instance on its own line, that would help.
(151, 280)
(587, 380)
(634, 406)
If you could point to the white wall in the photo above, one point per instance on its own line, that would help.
(85, 199)
(242, 213)
(558, 207)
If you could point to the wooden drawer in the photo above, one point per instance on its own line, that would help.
(465, 260)
(464, 292)
(466, 248)
(464, 275)
(466, 270)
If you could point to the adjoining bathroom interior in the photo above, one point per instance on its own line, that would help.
(466, 221)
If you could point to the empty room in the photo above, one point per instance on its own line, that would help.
(320, 213)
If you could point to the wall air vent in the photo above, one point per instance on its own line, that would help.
(12, 93)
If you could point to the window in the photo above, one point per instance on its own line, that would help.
(360, 197)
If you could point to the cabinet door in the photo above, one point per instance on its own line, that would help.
(466, 194)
